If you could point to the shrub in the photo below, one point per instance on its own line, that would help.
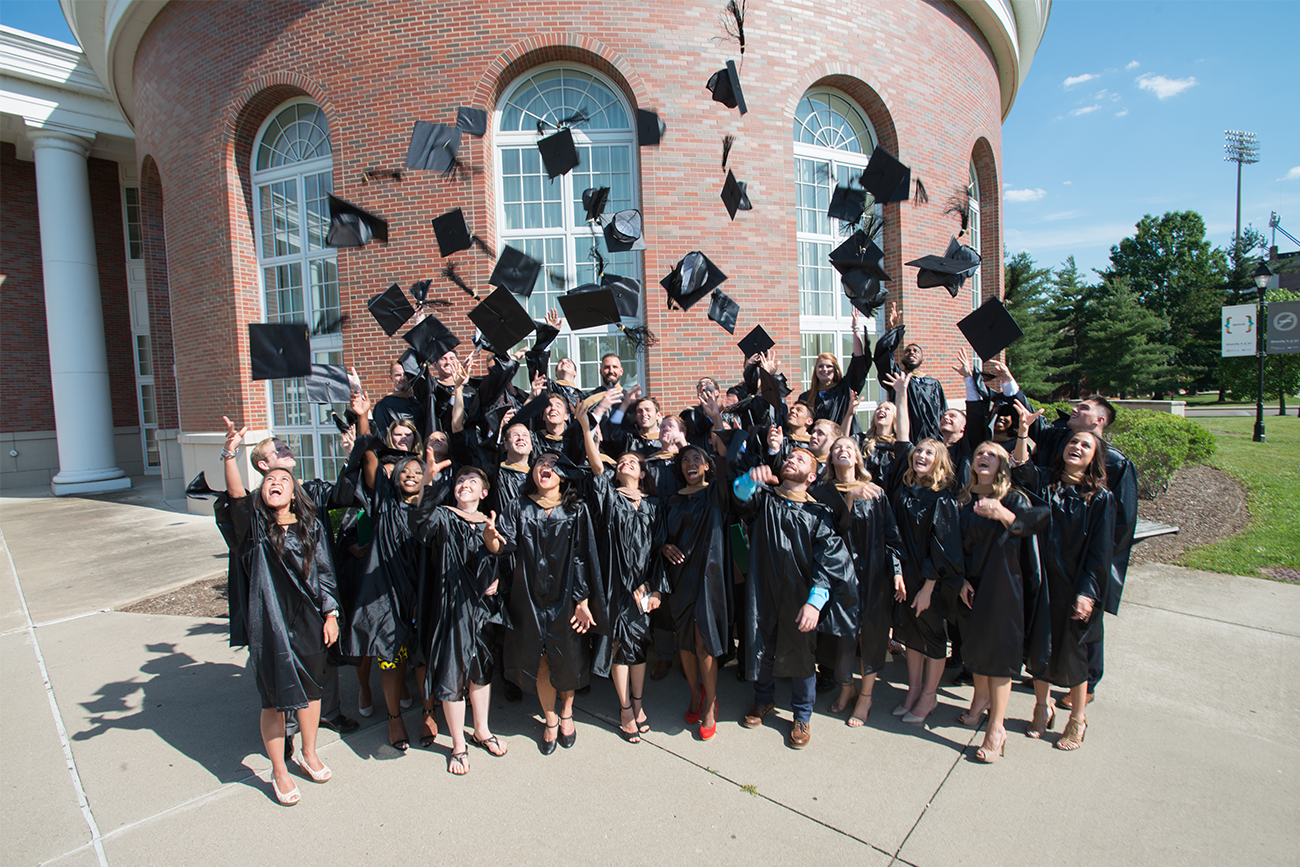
(1158, 444)
(1201, 442)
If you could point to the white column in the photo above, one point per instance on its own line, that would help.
(83, 409)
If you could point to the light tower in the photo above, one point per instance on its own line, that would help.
(1241, 148)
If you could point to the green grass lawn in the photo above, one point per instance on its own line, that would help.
(1211, 398)
(1270, 471)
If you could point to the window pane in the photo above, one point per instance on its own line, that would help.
(289, 406)
(147, 415)
(297, 134)
(134, 236)
(152, 458)
(324, 291)
(531, 199)
(279, 203)
(143, 359)
(284, 301)
(556, 94)
(317, 189)
(818, 280)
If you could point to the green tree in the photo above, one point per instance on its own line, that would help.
(1178, 276)
(1069, 314)
(1121, 354)
(1030, 357)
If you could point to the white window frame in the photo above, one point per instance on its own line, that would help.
(973, 232)
(573, 230)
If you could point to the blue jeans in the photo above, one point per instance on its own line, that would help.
(803, 690)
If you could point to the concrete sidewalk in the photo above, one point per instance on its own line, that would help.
(142, 746)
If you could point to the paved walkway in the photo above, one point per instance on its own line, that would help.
(132, 740)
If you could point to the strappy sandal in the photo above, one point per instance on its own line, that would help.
(836, 708)
(1072, 738)
(427, 740)
(568, 740)
(971, 722)
(458, 760)
(855, 720)
(644, 725)
(634, 736)
(1044, 718)
(490, 743)
(548, 747)
(403, 743)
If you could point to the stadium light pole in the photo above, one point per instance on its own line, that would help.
(1261, 276)
(1240, 148)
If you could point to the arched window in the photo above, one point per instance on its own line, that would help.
(973, 231)
(292, 179)
(545, 218)
(832, 145)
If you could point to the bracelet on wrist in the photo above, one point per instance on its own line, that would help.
(227, 454)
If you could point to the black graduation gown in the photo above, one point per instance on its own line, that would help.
(392, 407)
(793, 548)
(871, 533)
(925, 399)
(1076, 561)
(699, 525)
(879, 460)
(834, 402)
(455, 622)
(629, 539)
(381, 591)
(1003, 569)
(554, 568)
(288, 596)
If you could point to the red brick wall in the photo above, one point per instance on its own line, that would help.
(158, 291)
(24, 350)
(208, 74)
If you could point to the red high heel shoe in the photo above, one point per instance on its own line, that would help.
(693, 717)
(706, 733)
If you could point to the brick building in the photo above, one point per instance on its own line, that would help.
(236, 119)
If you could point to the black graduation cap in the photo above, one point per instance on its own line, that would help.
(950, 270)
(434, 146)
(279, 350)
(351, 226)
(589, 306)
(724, 311)
(756, 341)
(886, 178)
(198, 489)
(725, 87)
(503, 320)
(864, 291)
(558, 153)
(516, 271)
(411, 364)
(691, 279)
(990, 328)
(770, 389)
(627, 294)
(339, 422)
(732, 194)
(431, 339)
(847, 204)
(471, 120)
(649, 128)
(623, 231)
(452, 232)
(593, 202)
(860, 253)
(390, 309)
(328, 383)
(743, 204)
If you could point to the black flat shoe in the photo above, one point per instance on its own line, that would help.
(566, 741)
(341, 724)
(547, 747)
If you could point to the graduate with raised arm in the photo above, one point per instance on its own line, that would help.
(925, 399)
(833, 390)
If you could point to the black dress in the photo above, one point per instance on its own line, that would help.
(554, 568)
(289, 594)
(698, 524)
(456, 623)
(629, 538)
(1076, 557)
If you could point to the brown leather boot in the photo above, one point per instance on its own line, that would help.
(800, 735)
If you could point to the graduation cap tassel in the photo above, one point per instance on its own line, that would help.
(639, 335)
(735, 25)
(450, 273)
(873, 226)
(959, 203)
(326, 324)
(922, 196)
(557, 279)
(483, 246)
(599, 260)
(577, 117)
(727, 141)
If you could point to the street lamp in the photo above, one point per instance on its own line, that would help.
(1261, 277)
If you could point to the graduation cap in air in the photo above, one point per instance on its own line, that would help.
(502, 320)
(886, 178)
(279, 350)
(452, 232)
(431, 339)
(558, 153)
(391, 309)
(623, 231)
(471, 120)
(743, 203)
(733, 194)
(756, 341)
(859, 253)
(627, 294)
(410, 364)
(434, 146)
(990, 328)
(649, 128)
(593, 202)
(723, 310)
(516, 271)
(532, 410)
(847, 204)
(198, 489)
(864, 291)
(950, 270)
(351, 226)
(590, 306)
(340, 422)
(691, 279)
(770, 389)
(328, 383)
(725, 87)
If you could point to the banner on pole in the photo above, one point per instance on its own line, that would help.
(1239, 330)
(1283, 332)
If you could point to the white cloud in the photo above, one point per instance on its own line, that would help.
(1293, 175)
(1163, 87)
(1024, 195)
(1067, 183)
(1121, 113)
(1061, 215)
(1078, 79)
(1087, 109)
(1133, 64)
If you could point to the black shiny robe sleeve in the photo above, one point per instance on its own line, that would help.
(554, 568)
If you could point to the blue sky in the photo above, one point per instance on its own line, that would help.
(1122, 115)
